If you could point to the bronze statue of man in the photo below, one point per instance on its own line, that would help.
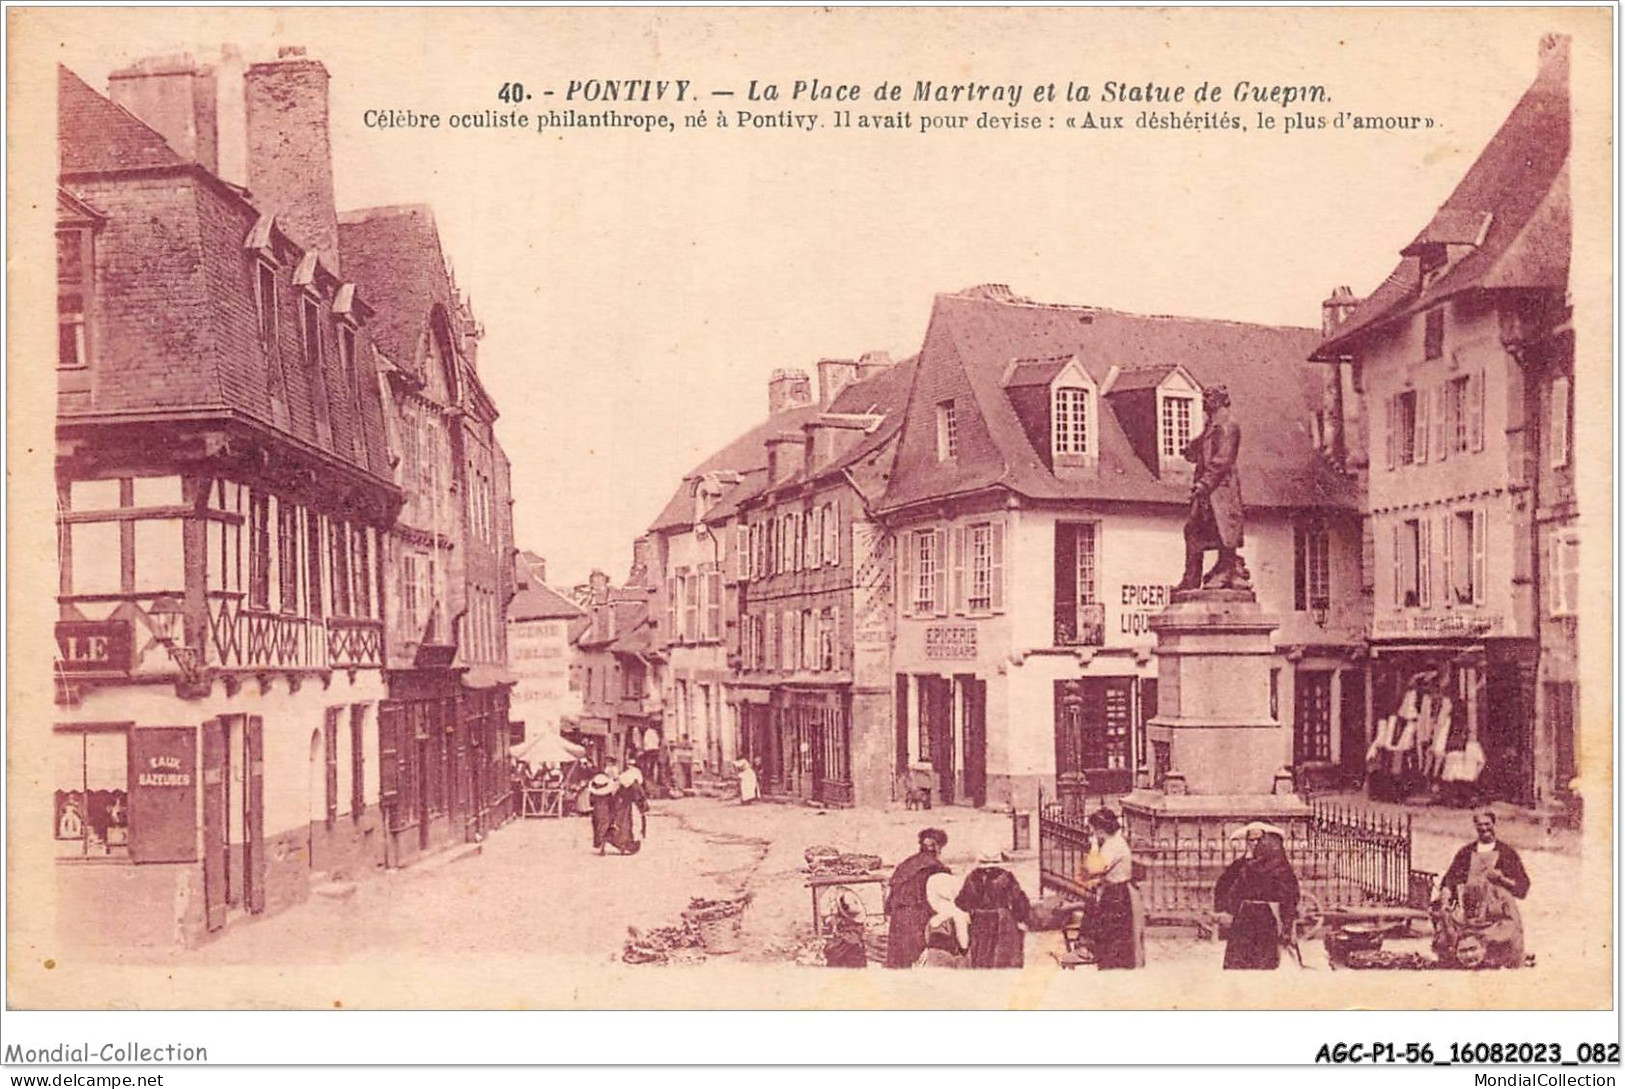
(1216, 516)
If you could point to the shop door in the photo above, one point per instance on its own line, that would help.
(1351, 729)
(1506, 731)
(254, 815)
(1092, 719)
(1312, 723)
(216, 849)
(813, 725)
(936, 711)
(973, 707)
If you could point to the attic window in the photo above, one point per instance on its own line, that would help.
(947, 431)
(1175, 425)
(265, 301)
(1071, 420)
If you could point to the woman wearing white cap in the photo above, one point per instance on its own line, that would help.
(1260, 893)
(998, 910)
(947, 936)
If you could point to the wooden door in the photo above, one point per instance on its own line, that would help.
(216, 848)
(936, 705)
(974, 707)
(1351, 731)
(254, 866)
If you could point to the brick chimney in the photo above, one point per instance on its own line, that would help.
(788, 389)
(290, 156)
(1336, 310)
(873, 363)
(176, 96)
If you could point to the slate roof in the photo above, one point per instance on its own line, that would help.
(394, 254)
(1520, 183)
(973, 338)
(1035, 372)
(96, 134)
(541, 603)
(1141, 378)
(177, 330)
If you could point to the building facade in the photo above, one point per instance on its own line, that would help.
(618, 669)
(1037, 506)
(224, 494)
(539, 653)
(450, 554)
(1462, 365)
(812, 572)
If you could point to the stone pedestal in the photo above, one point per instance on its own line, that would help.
(1226, 756)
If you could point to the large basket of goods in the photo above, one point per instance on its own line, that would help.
(662, 945)
(830, 860)
(717, 922)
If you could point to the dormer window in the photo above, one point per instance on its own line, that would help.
(1178, 413)
(265, 301)
(947, 431)
(72, 289)
(1071, 415)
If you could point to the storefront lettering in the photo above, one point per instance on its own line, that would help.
(951, 642)
(99, 646)
(1456, 624)
(1142, 601)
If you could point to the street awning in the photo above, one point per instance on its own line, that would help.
(598, 727)
(547, 748)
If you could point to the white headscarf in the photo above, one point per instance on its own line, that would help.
(631, 776)
(940, 890)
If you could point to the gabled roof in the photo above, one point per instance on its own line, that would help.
(973, 338)
(541, 603)
(394, 253)
(1039, 372)
(1512, 207)
(744, 455)
(96, 134)
(1142, 378)
(629, 615)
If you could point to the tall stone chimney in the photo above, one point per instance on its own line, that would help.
(1336, 310)
(834, 375)
(872, 363)
(175, 96)
(787, 389)
(290, 155)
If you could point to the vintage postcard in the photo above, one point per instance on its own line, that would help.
(796, 508)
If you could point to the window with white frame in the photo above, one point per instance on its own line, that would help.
(1464, 557)
(926, 574)
(1175, 426)
(713, 605)
(1561, 428)
(1071, 420)
(979, 540)
(1563, 572)
(1411, 563)
(741, 551)
(947, 431)
(832, 535)
(1312, 569)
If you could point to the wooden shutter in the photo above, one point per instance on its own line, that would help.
(1475, 411)
(671, 610)
(1448, 556)
(331, 738)
(741, 552)
(1424, 419)
(358, 774)
(1479, 525)
(254, 813)
(959, 542)
(1424, 561)
(939, 583)
(1300, 569)
(996, 574)
(215, 824)
(1441, 421)
(832, 525)
(905, 567)
(1560, 422)
(1066, 583)
(1391, 431)
(390, 739)
(1399, 565)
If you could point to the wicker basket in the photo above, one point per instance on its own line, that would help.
(721, 935)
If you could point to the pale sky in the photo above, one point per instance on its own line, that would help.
(638, 289)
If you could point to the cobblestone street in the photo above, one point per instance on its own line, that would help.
(535, 914)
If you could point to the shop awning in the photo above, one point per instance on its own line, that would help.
(1441, 647)
(598, 727)
(547, 748)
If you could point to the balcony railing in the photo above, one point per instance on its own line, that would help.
(1084, 626)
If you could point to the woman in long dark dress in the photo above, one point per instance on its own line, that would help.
(1119, 920)
(1260, 893)
(626, 828)
(998, 910)
(601, 796)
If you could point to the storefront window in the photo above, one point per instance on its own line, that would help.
(91, 779)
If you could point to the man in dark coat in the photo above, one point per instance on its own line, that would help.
(1215, 519)
(601, 796)
(906, 902)
(998, 910)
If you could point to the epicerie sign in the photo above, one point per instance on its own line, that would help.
(958, 641)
